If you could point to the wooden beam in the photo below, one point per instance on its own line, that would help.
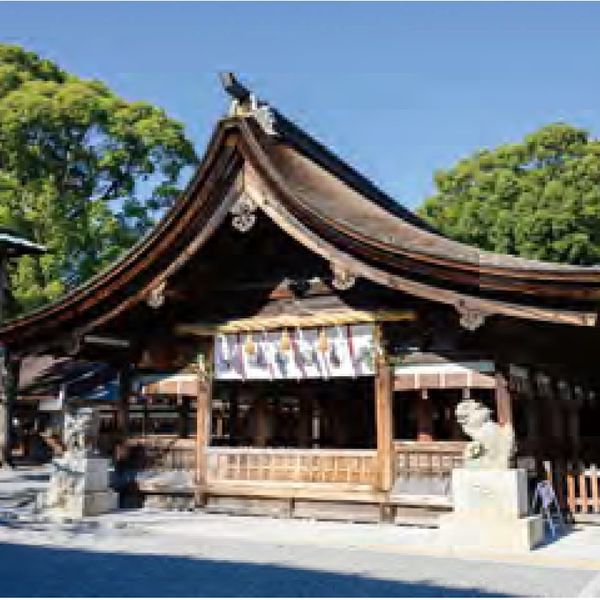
(384, 391)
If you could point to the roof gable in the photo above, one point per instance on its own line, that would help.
(259, 163)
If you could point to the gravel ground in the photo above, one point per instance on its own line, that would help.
(158, 553)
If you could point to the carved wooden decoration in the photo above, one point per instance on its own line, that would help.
(470, 318)
(343, 279)
(243, 213)
(156, 297)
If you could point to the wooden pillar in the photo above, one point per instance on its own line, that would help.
(233, 415)
(145, 416)
(304, 421)
(203, 423)
(315, 429)
(5, 454)
(261, 418)
(533, 418)
(556, 419)
(184, 415)
(533, 423)
(384, 390)
(456, 432)
(574, 408)
(336, 421)
(503, 400)
(8, 392)
(5, 397)
(424, 417)
(9, 382)
(573, 431)
(122, 413)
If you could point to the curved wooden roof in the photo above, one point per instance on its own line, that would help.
(334, 211)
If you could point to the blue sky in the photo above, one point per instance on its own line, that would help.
(397, 89)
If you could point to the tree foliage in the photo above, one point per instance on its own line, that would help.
(539, 198)
(82, 171)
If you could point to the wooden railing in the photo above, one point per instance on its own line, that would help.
(425, 468)
(577, 487)
(583, 490)
(161, 454)
(356, 467)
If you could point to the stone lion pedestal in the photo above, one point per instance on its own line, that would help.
(490, 511)
(490, 499)
(79, 486)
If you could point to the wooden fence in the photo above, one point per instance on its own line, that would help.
(583, 489)
(356, 467)
(577, 486)
(425, 468)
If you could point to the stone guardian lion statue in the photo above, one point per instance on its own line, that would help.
(492, 445)
(81, 431)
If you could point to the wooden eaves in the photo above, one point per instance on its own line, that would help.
(332, 210)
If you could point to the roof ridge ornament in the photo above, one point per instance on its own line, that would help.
(245, 103)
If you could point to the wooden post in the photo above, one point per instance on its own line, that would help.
(233, 415)
(304, 420)
(573, 428)
(184, 415)
(316, 422)
(456, 432)
(203, 424)
(424, 417)
(9, 385)
(503, 400)
(533, 422)
(5, 454)
(122, 413)
(145, 416)
(384, 390)
(261, 418)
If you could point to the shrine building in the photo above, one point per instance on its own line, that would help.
(290, 340)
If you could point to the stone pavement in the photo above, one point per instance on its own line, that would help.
(159, 553)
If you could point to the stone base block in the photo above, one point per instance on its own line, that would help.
(460, 530)
(89, 474)
(495, 493)
(87, 505)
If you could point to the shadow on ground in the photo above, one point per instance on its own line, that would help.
(48, 571)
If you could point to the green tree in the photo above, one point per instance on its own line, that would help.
(82, 171)
(539, 198)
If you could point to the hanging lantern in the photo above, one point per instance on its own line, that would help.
(322, 342)
(249, 345)
(285, 344)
